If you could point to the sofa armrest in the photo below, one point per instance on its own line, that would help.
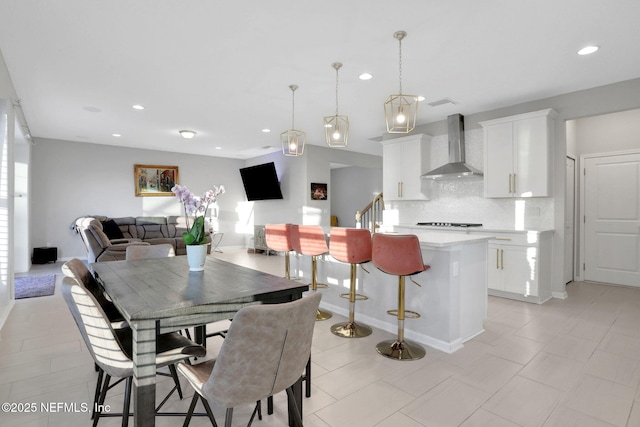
(131, 240)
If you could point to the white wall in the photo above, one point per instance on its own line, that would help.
(296, 175)
(71, 179)
(607, 133)
(7, 118)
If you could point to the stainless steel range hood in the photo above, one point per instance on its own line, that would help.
(456, 168)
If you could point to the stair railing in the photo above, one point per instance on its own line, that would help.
(371, 215)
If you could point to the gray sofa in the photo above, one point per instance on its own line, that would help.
(106, 239)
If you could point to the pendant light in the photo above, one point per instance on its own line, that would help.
(293, 140)
(336, 128)
(400, 110)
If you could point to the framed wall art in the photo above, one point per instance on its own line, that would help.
(154, 180)
(319, 191)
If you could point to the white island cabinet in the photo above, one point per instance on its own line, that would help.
(520, 265)
(452, 298)
(404, 160)
(517, 152)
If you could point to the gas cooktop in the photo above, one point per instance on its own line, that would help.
(450, 224)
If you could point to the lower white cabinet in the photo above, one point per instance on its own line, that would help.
(520, 265)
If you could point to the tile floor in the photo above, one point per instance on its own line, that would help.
(573, 362)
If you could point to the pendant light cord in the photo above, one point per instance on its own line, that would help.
(337, 68)
(400, 63)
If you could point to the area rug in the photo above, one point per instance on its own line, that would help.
(34, 286)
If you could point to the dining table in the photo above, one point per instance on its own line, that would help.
(162, 295)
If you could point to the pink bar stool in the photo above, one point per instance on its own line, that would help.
(278, 237)
(310, 240)
(352, 246)
(399, 255)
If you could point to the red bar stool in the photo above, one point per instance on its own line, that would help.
(399, 255)
(310, 240)
(278, 237)
(352, 246)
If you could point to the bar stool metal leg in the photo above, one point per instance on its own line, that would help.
(320, 314)
(400, 349)
(351, 329)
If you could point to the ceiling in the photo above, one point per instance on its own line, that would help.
(223, 69)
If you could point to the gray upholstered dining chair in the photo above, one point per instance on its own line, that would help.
(111, 349)
(264, 352)
(151, 251)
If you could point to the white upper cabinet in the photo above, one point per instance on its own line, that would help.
(517, 155)
(404, 160)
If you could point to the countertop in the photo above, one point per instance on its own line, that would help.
(465, 230)
(450, 239)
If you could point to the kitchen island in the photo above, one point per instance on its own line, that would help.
(452, 299)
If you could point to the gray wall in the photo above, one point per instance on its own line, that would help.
(352, 188)
(71, 179)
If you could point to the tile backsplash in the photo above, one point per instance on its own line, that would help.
(462, 200)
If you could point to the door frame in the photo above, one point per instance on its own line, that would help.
(581, 214)
(574, 243)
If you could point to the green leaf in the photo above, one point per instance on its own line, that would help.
(196, 236)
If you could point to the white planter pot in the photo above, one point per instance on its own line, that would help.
(196, 257)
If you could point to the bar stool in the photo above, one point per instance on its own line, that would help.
(399, 255)
(352, 246)
(278, 238)
(309, 240)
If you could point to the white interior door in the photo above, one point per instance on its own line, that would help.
(612, 219)
(569, 220)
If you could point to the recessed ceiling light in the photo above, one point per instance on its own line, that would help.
(266, 130)
(421, 98)
(218, 148)
(137, 107)
(365, 76)
(116, 135)
(588, 50)
(187, 134)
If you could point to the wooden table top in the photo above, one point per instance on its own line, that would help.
(164, 287)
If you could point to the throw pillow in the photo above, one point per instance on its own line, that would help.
(112, 230)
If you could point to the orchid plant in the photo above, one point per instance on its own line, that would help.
(196, 206)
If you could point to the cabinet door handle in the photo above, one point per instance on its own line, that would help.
(501, 259)
(497, 259)
(510, 184)
(515, 184)
(399, 191)
(503, 238)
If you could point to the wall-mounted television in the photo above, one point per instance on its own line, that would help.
(261, 182)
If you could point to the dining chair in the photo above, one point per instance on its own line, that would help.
(111, 349)
(78, 271)
(399, 255)
(264, 352)
(147, 252)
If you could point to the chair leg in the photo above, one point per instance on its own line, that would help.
(103, 394)
(400, 349)
(97, 393)
(192, 406)
(228, 417)
(320, 314)
(207, 408)
(307, 379)
(351, 329)
(174, 375)
(127, 402)
(293, 408)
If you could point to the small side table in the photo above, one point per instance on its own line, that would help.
(216, 238)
